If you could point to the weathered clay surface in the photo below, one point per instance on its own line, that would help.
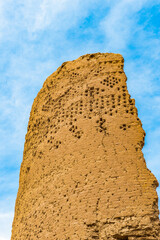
(83, 174)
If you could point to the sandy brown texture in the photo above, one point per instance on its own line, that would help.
(83, 174)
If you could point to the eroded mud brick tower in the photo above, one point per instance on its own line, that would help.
(83, 174)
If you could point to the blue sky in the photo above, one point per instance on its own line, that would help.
(37, 36)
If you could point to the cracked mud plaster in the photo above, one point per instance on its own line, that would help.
(83, 174)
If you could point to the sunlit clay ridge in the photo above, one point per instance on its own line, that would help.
(83, 174)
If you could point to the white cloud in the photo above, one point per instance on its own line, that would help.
(34, 16)
(2, 238)
(140, 78)
(121, 23)
(53, 12)
(2, 19)
(59, 15)
(5, 225)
